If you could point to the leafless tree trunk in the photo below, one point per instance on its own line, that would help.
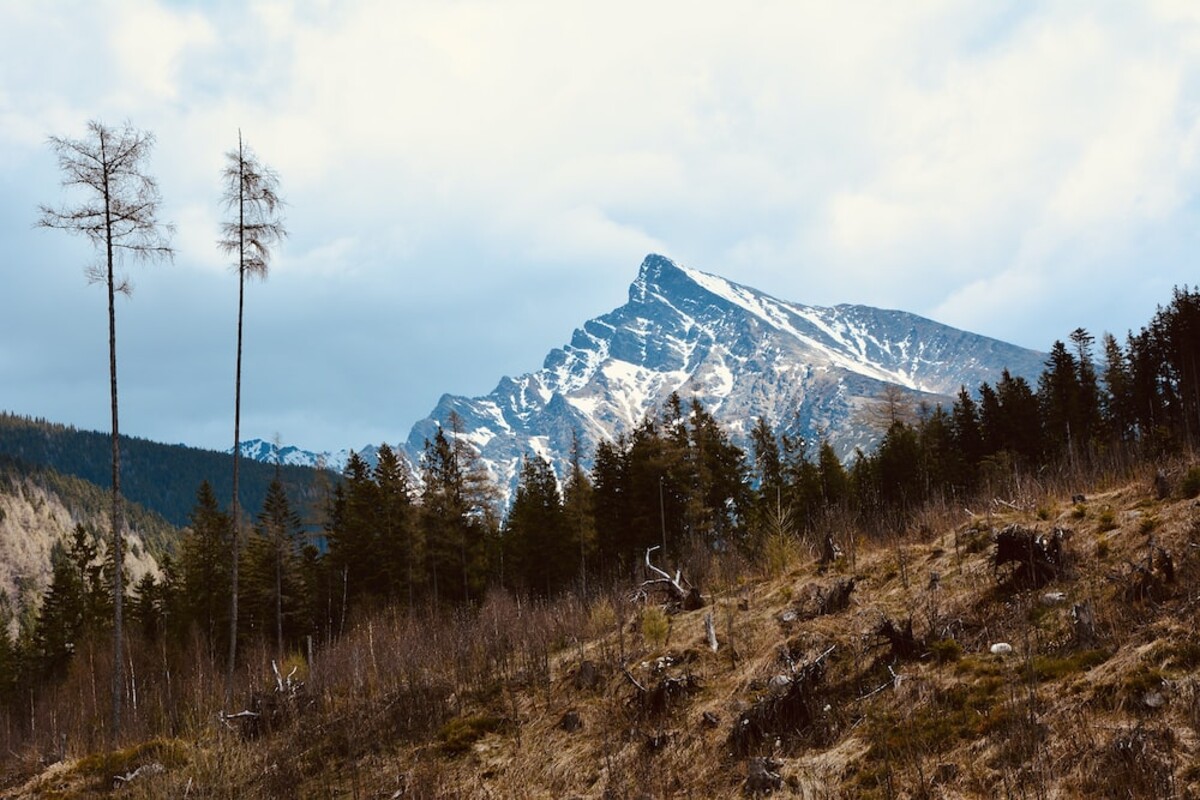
(120, 215)
(251, 189)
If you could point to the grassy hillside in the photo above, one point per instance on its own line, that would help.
(1083, 684)
(161, 477)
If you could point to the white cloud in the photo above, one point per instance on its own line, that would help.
(952, 159)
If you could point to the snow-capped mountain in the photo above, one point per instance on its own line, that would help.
(271, 453)
(744, 354)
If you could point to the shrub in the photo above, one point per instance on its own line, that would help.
(946, 650)
(1050, 668)
(1107, 520)
(1190, 485)
(459, 734)
(655, 626)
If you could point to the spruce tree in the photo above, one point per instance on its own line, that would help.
(204, 568)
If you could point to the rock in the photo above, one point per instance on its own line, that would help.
(1154, 700)
(1053, 598)
(945, 772)
(587, 677)
(570, 722)
(762, 776)
(1001, 649)
(709, 720)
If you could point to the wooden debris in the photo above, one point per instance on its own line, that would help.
(1038, 559)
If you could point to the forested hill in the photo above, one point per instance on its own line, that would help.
(161, 477)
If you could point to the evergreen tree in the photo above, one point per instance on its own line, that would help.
(537, 542)
(277, 530)
(204, 569)
(579, 510)
(400, 548)
(1117, 407)
(1059, 403)
(1019, 417)
(968, 438)
(457, 517)
(10, 658)
(62, 619)
(614, 541)
(353, 533)
(720, 486)
(146, 607)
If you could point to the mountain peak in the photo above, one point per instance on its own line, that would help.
(658, 275)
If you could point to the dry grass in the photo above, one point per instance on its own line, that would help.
(498, 702)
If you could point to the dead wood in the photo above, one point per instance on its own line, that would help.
(1036, 560)
(905, 646)
(790, 713)
(762, 776)
(1151, 578)
(681, 593)
(665, 695)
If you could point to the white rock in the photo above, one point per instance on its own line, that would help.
(1001, 649)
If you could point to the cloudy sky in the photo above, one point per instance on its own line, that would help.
(470, 180)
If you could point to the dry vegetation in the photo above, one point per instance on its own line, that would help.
(888, 686)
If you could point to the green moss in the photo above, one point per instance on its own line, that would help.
(1052, 668)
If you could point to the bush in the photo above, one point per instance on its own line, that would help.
(946, 650)
(459, 734)
(1189, 487)
(655, 626)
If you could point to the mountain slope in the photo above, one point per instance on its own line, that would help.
(808, 370)
(161, 477)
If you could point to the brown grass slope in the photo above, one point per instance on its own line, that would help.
(1098, 696)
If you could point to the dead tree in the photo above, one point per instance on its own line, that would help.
(1037, 559)
(905, 646)
(119, 216)
(1151, 578)
(836, 598)
(251, 196)
(830, 552)
(791, 711)
(682, 594)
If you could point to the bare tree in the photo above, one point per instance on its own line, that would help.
(251, 197)
(119, 216)
(890, 406)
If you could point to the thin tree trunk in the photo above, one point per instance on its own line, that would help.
(279, 596)
(235, 547)
(118, 516)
